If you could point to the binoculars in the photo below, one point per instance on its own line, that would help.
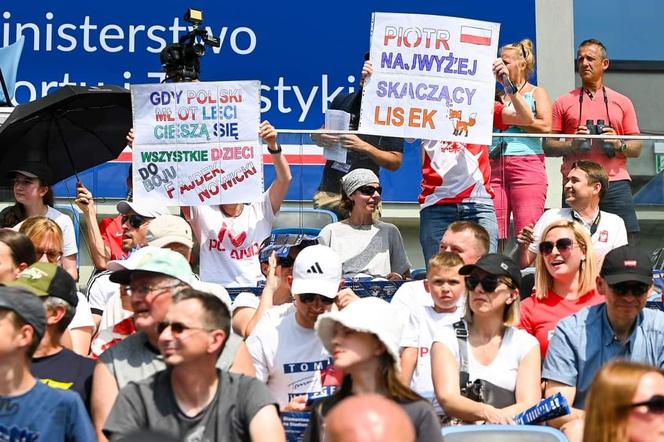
(596, 129)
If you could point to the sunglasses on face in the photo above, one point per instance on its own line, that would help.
(655, 404)
(635, 288)
(134, 221)
(489, 283)
(177, 328)
(563, 245)
(308, 298)
(370, 190)
(51, 254)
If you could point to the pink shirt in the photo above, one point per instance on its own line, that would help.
(623, 120)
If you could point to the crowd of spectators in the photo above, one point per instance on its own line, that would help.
(176, 334)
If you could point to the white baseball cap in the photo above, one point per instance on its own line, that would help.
(148, 210)
(368, 315)
(317, 269)
(167, 229)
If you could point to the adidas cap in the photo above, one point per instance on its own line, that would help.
(317, 269)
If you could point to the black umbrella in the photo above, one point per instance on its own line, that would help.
(72, 129)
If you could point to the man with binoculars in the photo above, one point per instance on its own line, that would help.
(594, 109)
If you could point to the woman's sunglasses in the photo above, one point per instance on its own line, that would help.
(655, 404)
(308, 298)
(563, 245)
(370, 190)
(135, 221)
(51, 254)
(489, 283)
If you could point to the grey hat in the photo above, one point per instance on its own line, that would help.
(27, 306)
(357, 178)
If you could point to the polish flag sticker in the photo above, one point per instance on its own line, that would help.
(476, 36)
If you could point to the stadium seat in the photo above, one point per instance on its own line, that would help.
(502, 433)
(418, 273)
(301, 220)
(9, 58)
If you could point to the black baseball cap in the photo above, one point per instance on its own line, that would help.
(26, 305)
(495, 264)
(33, 169)
(626, 263)
(46, 279)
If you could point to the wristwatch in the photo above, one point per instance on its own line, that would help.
(623, 147)
(274, 151)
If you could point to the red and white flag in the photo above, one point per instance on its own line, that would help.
(477, 36)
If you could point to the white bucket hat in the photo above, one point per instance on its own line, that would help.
(317, 269)
(369, 315)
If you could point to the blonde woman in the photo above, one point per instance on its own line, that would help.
(565, 274)
(625, 404)
(46, 236)
(518, 174)
(492, 350)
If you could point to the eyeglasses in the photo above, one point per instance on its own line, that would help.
(370, 190)
(51, 254)
(489, 283)
(134, 221)
(633, 287)
(564, 245)
(655, 404)
(308, 298)
(145, 290)
(177, 328)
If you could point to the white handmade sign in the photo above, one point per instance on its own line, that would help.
(432, 78)
(197, 143)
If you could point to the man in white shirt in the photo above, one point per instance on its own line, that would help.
(446, 289)
(284, 348)
(587, 182)
(467, 239)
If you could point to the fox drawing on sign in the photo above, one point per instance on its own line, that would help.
(461, 126)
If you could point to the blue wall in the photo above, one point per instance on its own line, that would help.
(630, 30)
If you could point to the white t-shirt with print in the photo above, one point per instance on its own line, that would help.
(229, 246)
(422, 326)
(412, 295)
(83, 316)
(610, 233)
(288, 357)
(67, 227)
(503, 370)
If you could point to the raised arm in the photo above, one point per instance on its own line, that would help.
(99, 252)
(279, 186)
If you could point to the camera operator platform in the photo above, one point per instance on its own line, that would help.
(595, 109)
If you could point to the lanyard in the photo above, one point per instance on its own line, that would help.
(606, 104)
(595, 223)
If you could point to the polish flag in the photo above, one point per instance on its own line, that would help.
(476, 36)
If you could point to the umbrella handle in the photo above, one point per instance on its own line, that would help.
(71, 160)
